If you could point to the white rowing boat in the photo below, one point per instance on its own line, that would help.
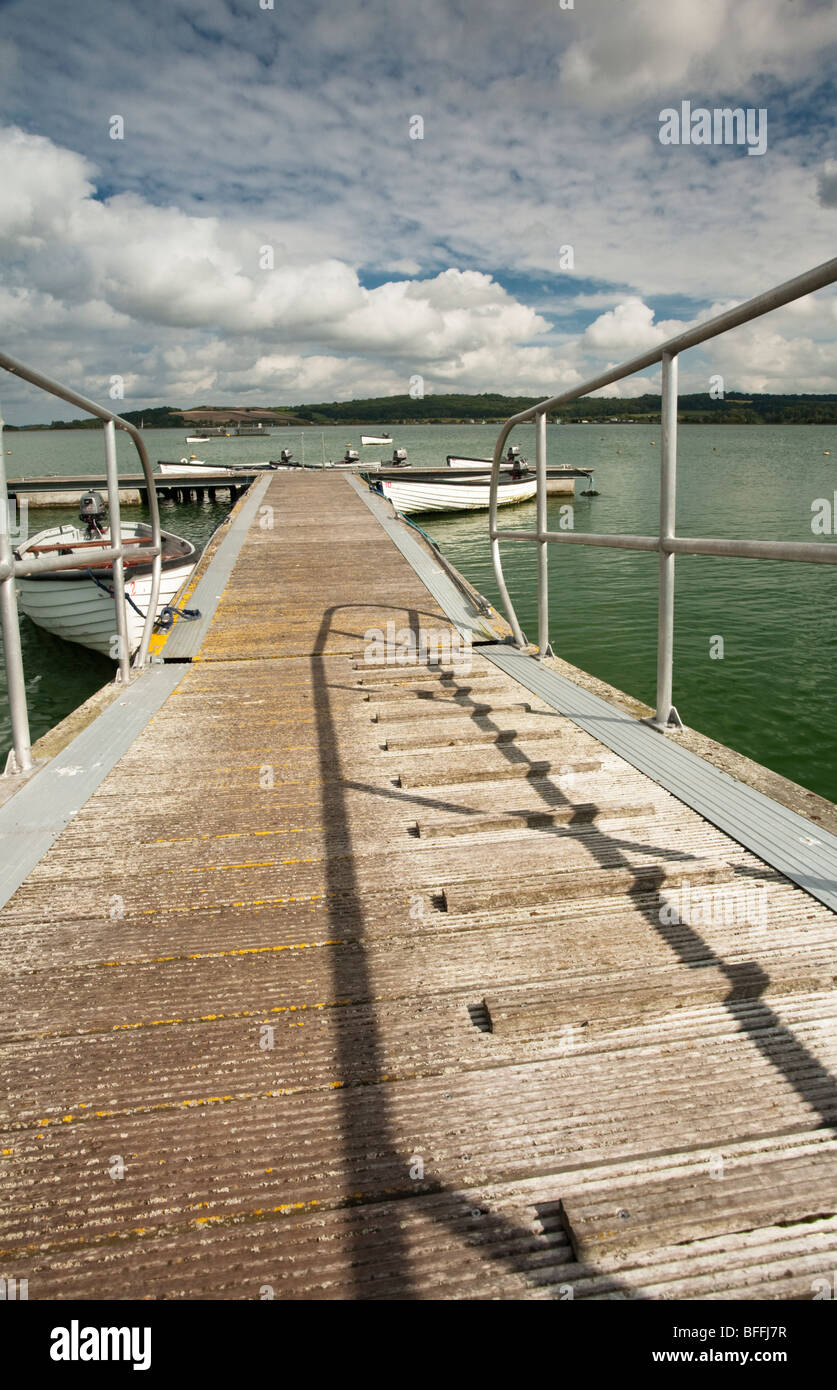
(196, 466)
(376, 439)
(73, 605)
(439, 492)
(199, 469)
(511, 460)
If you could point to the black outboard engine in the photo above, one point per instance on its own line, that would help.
(399, 458)
(286, 457)
(92, 509)
(351, 455)
(513, 457)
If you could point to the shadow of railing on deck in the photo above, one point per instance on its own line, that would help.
(365, 1113)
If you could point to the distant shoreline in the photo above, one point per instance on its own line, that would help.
(491, 409)
(72, 427)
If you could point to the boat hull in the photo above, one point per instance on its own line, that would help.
(82, 612)
(212, 470)
(376, 439)
(557, 484)
(200, 470)
(414, 496)
(71, 605)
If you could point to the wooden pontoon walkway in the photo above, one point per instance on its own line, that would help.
(358, 983)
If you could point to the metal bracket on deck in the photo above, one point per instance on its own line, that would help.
(674, 722)
(13, 770)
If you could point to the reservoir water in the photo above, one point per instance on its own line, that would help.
(755, 641)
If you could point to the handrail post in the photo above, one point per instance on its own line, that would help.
(118, 572)
(20, 759)
(496, 559)
(543, 545)
(666, 715)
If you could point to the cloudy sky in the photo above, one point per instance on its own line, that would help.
(247, 127)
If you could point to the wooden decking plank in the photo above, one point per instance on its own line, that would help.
(734, 1199)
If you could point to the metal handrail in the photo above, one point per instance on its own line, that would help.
(666, 543)
(20, 759)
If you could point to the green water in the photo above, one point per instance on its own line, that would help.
(768, 696)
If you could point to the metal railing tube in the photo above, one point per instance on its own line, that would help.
(66, 393)
(21, 759)
(505, 597)
(45, 564)
(666, 543)
(615, 541)
(800, 285)
(810, 552)
(805, 552)
(117, 569)
(665, 713)
(543, 544)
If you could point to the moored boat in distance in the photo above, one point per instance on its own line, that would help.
(512, 459)
(199, 468)
(196, 466)
(202, 438)
(78, 604)
(366, 439)
(351, 460)
(435, 490)
(559, 481)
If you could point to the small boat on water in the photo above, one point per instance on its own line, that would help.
(435, 490)
(366, 439)
(512, 460)
(78, 604)
(192, 465)
(350, 460)
(559, 481)
(201, 469)
(202, 438)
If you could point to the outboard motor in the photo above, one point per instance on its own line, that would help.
(286, 457)
(517, 463)
(399, 458)
(351, 456)
(92, 509)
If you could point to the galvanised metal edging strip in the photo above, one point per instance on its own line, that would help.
(688, 776)
(449, 598)
(33, 818)
(795, 846)
(185, 641)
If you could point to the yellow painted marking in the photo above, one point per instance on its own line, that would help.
(236, 835)
(215, 1018)
(253, 903)
(257, 864)
(231, 951)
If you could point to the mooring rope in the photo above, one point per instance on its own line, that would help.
(167, 613)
